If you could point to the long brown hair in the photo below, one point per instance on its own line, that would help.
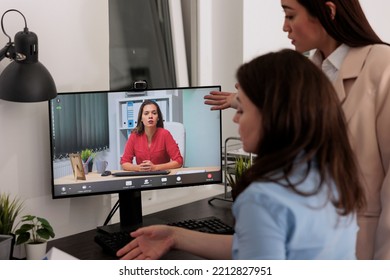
(140, 128)
(302, 122)
(350, 25)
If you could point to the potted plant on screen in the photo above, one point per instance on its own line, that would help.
(87, 156)
(9, 211)
(34, 233)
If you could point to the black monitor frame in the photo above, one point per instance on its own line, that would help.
(130, 193)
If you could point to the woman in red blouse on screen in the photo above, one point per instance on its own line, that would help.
(152, 146)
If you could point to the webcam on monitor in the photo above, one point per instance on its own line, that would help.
(139, 85)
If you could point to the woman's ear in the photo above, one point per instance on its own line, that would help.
(332, 9)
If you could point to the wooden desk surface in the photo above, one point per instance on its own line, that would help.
(83, 246)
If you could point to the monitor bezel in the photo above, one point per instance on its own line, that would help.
(217, 175)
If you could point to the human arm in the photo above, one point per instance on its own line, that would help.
(173, 151)
(147, 165)
(220, 100)
(154, 241)
(131, 167)
(382, 238)
(128, 155)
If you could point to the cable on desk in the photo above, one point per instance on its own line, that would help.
(219, 198)
(112, 212)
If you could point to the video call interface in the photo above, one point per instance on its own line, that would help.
(101, 122)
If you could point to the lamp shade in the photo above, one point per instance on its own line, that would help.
(25, 79)
(26, 82)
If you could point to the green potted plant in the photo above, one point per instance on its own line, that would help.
(87, 156)
(9, 211)
(34, 233)
(240, 166)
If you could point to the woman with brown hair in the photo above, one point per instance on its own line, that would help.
(152, 146)
(357, 62)
(300, 197)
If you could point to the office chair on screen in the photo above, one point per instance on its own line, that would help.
(179, 134)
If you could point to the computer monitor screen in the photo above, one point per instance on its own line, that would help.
(89, 132)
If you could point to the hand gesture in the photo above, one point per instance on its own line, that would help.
(220, 100)
(150, 243)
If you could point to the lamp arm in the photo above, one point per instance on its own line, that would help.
(7, 51)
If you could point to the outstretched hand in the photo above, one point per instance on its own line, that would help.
(220, 100)
(150, 243)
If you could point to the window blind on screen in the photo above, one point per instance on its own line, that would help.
(81, 123)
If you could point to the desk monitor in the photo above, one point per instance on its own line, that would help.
(102, 121)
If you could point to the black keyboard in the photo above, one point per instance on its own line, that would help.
(140, 173)
(209, 224)
(112, 242)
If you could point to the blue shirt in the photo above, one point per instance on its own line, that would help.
(273, 222)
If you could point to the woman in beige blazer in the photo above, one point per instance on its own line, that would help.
(358, 63)
(363, 86)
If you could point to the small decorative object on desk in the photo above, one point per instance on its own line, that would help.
(34, 233)
(77, 167)
(101, 166)
(87, 157)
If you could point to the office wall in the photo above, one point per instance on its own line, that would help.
(220, 49)
(231, 32)
(263, 22)
(235, 31)
(377, 12)
(73, 45)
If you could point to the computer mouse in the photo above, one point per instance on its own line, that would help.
(106, 173)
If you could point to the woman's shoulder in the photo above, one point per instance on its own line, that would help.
(135, 134)
(372, 61)
(381, 47)
(280, 192)
(162, 131)
(270, 196)
(378, 53)
(378, 63)
(374, 51)
(265, 191)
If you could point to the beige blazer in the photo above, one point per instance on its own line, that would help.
(363, 86)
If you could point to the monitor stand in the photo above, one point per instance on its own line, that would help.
(130, 213)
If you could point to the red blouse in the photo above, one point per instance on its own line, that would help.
(162, 149)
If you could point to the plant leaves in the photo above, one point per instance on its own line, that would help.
(43, 233)
(27, 218)
(22, 238)
(240, 167)
(35, 229)
(24, 228)
(9, 210)
(43, 221)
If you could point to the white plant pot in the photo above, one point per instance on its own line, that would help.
(35, 251)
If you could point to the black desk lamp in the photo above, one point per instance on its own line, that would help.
(25, 79)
